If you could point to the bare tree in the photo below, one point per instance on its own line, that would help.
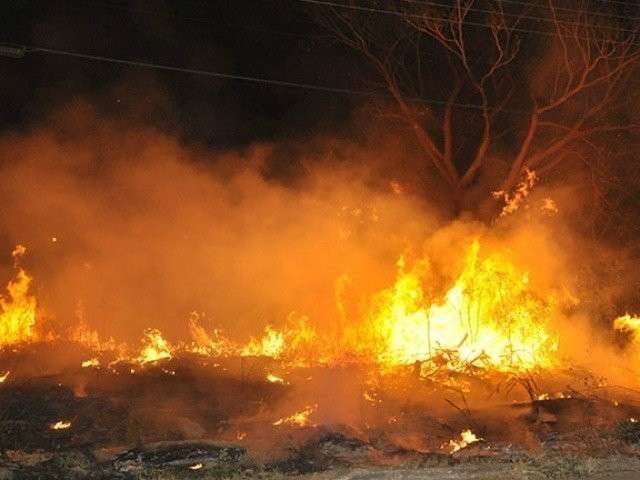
(535, 85)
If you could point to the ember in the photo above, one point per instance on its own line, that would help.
(93, 362)
(299, 419)
(274, 378)
(467, 437)
(60, 425)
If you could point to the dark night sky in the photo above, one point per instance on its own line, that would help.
(265, 38)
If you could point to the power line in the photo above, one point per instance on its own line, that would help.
(208, 73)
(572, 10)
(533, 17)
(329, 3)
(18, 51)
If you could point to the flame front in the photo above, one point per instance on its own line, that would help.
(18, 312)
(490, 313)
(154, 348)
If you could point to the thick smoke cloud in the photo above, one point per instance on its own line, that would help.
(130, 229)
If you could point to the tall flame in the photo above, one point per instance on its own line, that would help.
(18, 308)
(154, 347)
(489, 312)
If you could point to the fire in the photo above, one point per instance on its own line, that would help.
(214, 344)
(197, 466)
(155, 347)
(18, 311)
(274, 378)
(513, 201)
(271, 344)
(60, 425)
(628, 324)
(295, 342)
(467, 437)
(92, 362)
(18, 251)
(490, 312)
(4, 376)
(300, 419)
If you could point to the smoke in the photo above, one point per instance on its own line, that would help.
(130, 229)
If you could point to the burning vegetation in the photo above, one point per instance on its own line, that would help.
(207, 309)
(464, 343)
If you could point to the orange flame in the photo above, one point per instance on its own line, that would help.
(18, 310)
(154, 348)
(467, 437)
(299, 419)
(489, 313)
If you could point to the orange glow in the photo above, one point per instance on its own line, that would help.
(4, 376)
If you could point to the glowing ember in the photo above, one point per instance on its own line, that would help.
(60, 425)
(299, 419)
(370, 397)
(513, 201)
(197, 466)
(18, 251)
(93, 362)
(549, 206)
(155, 347)
(274, 378)
(4, 376)
(467, 437)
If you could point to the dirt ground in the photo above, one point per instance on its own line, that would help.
(483, 472)
(559, 468)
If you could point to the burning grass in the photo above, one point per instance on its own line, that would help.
(467, 359)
